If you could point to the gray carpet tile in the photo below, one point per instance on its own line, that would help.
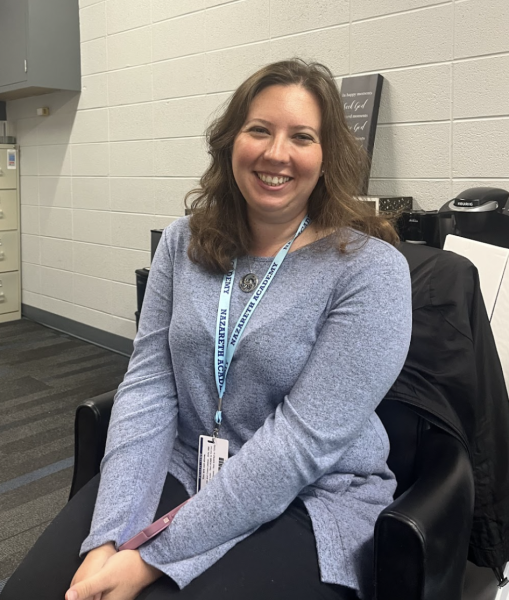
(44, 375)
(35, 489)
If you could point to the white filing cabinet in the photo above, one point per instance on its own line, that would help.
(10, 280)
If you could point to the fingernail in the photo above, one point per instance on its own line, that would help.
(71, 595)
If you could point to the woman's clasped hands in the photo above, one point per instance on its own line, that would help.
(106, 574)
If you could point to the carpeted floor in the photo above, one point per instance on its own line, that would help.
(44, 375)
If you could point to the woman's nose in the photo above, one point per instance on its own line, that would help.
(277, 150)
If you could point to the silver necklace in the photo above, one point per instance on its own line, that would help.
(249, 282)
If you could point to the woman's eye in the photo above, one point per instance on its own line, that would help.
(304, 137)
(257, 129)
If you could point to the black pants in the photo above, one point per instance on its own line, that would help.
(278, 561)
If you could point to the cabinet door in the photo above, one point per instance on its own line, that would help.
(9, 292)
(8, 210)
(8, 168)
(13, 41)
(9, 251)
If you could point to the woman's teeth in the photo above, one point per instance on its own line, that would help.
(269, 180)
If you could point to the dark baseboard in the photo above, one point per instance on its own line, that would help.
(110, 341)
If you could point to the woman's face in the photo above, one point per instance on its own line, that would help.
(277, 156)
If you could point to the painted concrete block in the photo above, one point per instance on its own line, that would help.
(130, 230)
(92, 292)
(124, 262)
(169, 194)
(252, 24)
(30, 219)
(91, 160)
(92, 259)
(412, 151)
(481, 27)
(417, 94)
(123, 15)
(413, 38)
(56, 222)
(130, 86)
(131, 159)
(29, 190)
(30, 248)
(133, 122)
(179, 77)
(94, 91)
(226, 69)
(57, 253)
(90, 126)
(181, 117)
(365, 9)
(162, 9)
(28, 161)
(91, 193)
(328, 46)
(55, 191)
(31, 278)
(178, 37)
(480, 149)
(305, 15)
(56, 283)
(93, 22)
(54, 160)
(130, 48)
(94, 57)
(481, 87)
(128, 194)
(180, 157)
(92, 226)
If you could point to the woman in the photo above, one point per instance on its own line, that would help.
(285, 359)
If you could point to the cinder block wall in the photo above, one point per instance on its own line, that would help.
(115, 161)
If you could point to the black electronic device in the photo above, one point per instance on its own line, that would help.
(480, 214)
(419, 227)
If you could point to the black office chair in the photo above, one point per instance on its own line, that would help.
(421, 540)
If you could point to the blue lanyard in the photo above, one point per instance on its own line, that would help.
(224, 350)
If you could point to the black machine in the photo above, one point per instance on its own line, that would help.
(480, 214)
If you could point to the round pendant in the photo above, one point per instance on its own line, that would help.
(248, 283)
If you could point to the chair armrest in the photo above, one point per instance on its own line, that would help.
(90, 431)
(421, 539)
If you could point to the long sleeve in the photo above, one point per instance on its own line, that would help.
(143, 422)
(317, 429)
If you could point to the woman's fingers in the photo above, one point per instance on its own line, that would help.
(89, 589)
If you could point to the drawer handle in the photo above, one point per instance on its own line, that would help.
(2, 255)
(1, 214)
(2, 297)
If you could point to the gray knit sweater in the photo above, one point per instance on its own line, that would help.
(320, 352)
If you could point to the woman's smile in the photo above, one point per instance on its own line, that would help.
(277, 156)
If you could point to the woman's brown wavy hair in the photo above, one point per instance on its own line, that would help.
(219, 226)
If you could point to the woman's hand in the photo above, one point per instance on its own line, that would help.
(122, 577)
(93, 563)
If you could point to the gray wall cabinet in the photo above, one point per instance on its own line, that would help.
(39, 47)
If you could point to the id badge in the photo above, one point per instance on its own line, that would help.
(212, 453)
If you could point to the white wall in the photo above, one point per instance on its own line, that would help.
(112, 163)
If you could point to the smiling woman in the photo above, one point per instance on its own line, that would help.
(259, 409)
(285, 121)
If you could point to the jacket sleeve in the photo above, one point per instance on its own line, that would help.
(143, 422)
(357, 356)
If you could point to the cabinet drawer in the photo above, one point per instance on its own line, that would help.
(8, 210)
(9, 292)
(9, 251)
(8, 176)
